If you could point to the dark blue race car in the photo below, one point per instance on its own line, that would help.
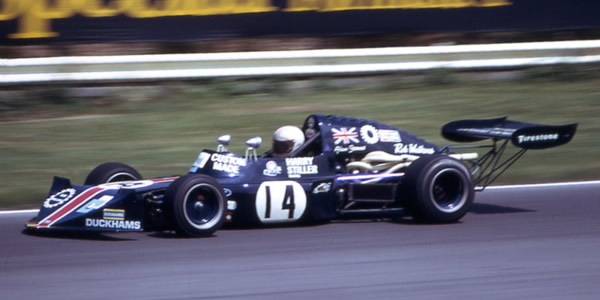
(346, 167)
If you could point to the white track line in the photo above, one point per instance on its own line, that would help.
(15, 212)
(541, 185)
(499, 187)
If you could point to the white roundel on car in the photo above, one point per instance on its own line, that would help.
(369, 134)
(280, 201)
(59, 198)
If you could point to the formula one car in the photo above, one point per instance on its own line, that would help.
(346, 167)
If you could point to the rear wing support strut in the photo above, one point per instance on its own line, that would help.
(491, 165)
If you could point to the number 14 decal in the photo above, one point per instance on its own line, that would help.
(288, 201)
(280, 201)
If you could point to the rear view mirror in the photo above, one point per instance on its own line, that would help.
(223, 141)
(252, 143)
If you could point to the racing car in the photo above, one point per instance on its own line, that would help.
(346, 167)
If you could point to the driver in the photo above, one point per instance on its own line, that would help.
(286, 139)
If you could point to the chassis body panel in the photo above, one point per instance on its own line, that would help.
(314, 183)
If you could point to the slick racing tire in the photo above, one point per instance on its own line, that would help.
(111, 172)
(437, 189)
(197, 205)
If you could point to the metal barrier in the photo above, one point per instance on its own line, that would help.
(305, 62)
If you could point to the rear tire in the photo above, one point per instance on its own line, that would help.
(197, 205)
(437, 189)
(111, 172)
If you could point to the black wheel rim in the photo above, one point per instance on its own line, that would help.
(448, 191)
(202, 206)
(121, 176)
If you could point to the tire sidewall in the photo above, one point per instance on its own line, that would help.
(104, 172)
(425, 185)
(420, 202)
(176, 200)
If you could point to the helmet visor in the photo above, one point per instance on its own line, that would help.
(282, 147)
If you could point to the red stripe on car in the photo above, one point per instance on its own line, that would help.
(164, 179)
(70, 206)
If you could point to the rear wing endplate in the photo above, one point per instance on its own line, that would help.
(493, 163)
(523, 135)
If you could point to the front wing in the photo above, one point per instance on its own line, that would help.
(112, 207)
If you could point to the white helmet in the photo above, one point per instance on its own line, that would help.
(286, 140)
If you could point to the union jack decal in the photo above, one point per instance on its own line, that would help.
(345, 135)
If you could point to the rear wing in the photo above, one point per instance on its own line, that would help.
(523, 135)
(500, 131)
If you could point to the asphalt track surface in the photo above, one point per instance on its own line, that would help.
(517, 243)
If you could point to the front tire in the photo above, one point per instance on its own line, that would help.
(437, 189)
(111, 172)
(197, 205)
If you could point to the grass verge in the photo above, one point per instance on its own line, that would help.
(160, 133)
